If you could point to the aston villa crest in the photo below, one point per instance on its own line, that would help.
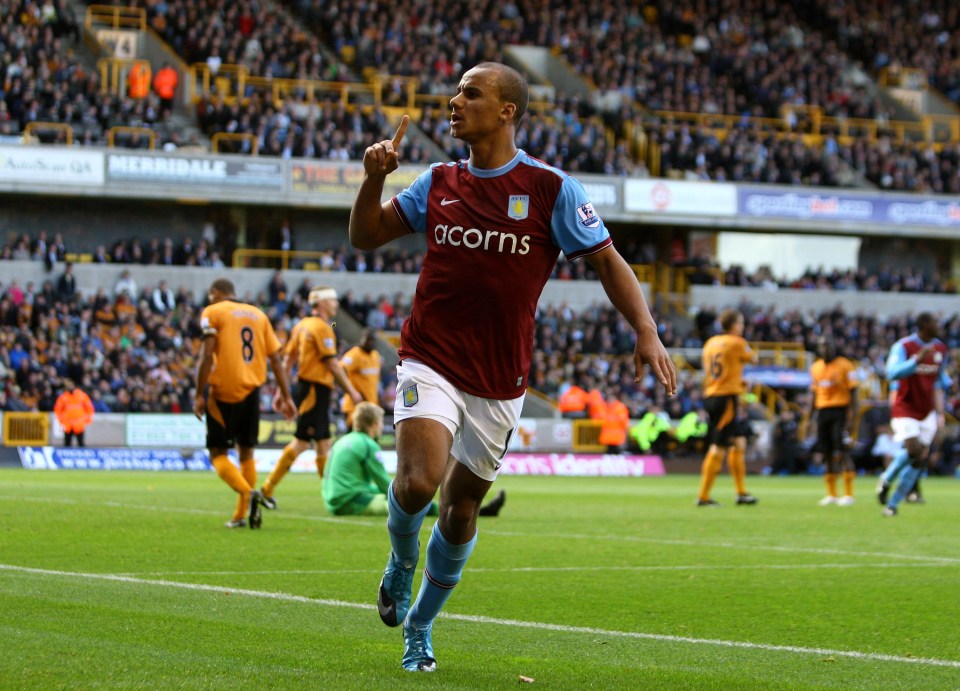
(410, 396)
(519, 206)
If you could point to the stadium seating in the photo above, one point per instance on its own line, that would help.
(897, 36)
(659, 73)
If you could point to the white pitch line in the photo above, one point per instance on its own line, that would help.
(712, 567)
(278, 572)
(731, 545)
(515, 623)
(180, 510)
(550, 569)
(786, 549)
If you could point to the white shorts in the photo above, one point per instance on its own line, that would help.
(910, 428)
(481, 427)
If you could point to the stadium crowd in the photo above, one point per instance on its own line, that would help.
(44, 80)
(884, 34)
(740, 58)
(298, 128)
(210, 251)
(650, 63)
(133, 348)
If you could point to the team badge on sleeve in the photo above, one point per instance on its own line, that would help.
(519, 206)
(206, 327)
(410, 396)
(588, 217)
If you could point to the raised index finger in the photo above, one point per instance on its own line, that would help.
(402, 130)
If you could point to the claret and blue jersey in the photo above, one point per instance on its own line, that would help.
(493, 238)
(916, 381)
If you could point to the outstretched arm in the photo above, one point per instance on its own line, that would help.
(623, 289)
(372, 223)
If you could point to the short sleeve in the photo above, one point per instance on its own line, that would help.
(576, 227)
(327, 341)
(208, 322)
(411, 203)
(853, 380)
(272, 342)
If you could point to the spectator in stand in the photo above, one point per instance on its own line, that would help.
(162, 299)
(100, 255)
(184, 252)
(279, 294)
(67, 284)
(126, 285)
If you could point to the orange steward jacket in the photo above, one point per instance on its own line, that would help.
(74, 411)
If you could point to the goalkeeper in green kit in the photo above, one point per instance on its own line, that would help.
(355, 482)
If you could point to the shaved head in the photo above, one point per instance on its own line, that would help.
(513, 87)
(224, 286)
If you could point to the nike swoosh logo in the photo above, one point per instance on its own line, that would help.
(386, 607)
(445, 201)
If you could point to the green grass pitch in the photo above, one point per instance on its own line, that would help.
(119, 580)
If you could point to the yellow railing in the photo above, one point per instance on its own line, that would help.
(114, 71)
(720, 121)
(935, 129)
(664, 278)
(383, 82)
(773, 402)
(644, 273)
(219, 137)
(783, 354)
(118, 17)
(653, 159)
(33, 128)
(25, 429)
(391, 337)
(234, 82)
(442, 102)
(789, 355)
(122, 129)
(905, 77)
(530, 392)
(637, 140)
(279, 258)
